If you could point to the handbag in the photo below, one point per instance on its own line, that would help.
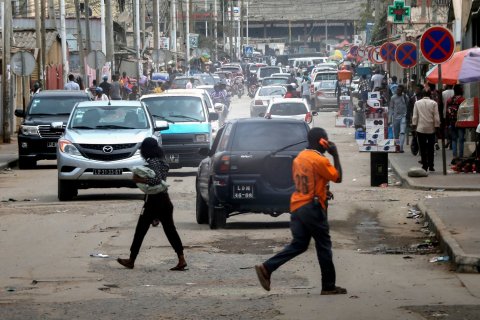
(414, 145)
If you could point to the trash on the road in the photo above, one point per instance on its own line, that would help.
(99, 255)
(354, 180)
(428, 196)
(244, 268)
(440, 259)
(416, 172)
(61, 211)
(190, 283)
(354, 297)
(11, 289)
(440, 190)
(177, 180)
(407, 257)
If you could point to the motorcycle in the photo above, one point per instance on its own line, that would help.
(239, 88)
(252, 89)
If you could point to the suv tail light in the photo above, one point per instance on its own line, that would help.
(308, 117)
(224, 164)
(312, 88)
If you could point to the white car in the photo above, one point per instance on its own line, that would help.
(290, 108)
(262, 98)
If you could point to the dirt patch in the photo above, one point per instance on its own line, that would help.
(454, 312)
(246, 245)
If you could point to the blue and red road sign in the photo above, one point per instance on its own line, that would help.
(354, 51)
(406, 55)
(437, 44)
(387, 51)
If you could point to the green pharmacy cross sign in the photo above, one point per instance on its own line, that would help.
(399, 11)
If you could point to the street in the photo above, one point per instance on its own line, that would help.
(51, 270)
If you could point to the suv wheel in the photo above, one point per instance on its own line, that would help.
(201, 209)
(66, 190)
(216, 216)
(26, 163)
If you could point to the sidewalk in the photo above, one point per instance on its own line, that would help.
(455, 220)
(8, 154)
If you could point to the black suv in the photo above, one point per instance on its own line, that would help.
(249, 169)
(36, 139)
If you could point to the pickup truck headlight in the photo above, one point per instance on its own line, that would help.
(201, 138)
(67, 147)
(29, 130)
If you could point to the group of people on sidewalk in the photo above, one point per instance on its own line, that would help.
(422, 110)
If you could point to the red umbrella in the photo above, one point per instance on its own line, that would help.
(451, 70)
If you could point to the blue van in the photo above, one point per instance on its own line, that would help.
(190, 116)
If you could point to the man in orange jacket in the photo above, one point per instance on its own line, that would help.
(308, 206)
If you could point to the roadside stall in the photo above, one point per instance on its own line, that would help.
(344, 117)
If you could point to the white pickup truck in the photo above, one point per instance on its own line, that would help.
(319, 77)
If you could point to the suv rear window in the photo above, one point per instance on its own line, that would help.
(268, 71)
(269, 136)
(288, 109)
(53, 105)
(326, 76)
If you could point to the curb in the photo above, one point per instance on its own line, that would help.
(464, 263)
(8, 164)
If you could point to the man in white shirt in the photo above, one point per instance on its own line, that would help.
(71, 84)
(426, 120)
(377, 80)
(189, 84)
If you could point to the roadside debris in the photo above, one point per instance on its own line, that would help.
(440, 259)
(99, 255)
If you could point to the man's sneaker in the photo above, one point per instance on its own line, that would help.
(336, 290)
(263, 276)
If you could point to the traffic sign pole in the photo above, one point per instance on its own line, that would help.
(442, 125)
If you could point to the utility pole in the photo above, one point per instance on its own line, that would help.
(240, 31)
(142, 24)
(38, 37)
(51, 12)
(43, 48)
(6, 33)
(187, 40)
(215, 30)
(173, 30)
(230, 25)
(137, 40)
(80, 39)
(102, 23)
(109, 40)
(87, 25)
(63, 35)
(423, 13)
(155, 27)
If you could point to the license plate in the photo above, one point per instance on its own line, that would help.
(51, 144)
(243, 191)
(172, 158)
(107, 172)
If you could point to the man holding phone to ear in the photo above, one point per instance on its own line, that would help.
(308, 206)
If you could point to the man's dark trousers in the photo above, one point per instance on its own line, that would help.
(426, 143)
(306, 222)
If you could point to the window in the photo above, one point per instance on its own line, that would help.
(269, 135)
(288, 109)
(176, 108)
(222, 145)
(274, 91)
(54, 105)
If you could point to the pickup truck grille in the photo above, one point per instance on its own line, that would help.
(46, 132)
(115, 146)
(118, 152)
(107, 156)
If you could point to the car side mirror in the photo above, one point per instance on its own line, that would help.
(20, 113)
(205, 152)
(314, 113)
(57, 126)
(212, 116)
(161, 125)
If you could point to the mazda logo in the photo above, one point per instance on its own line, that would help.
(107, 149)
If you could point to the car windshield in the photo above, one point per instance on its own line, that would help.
(288, 109)
(207, 79)
(181, 83)
(268, 136)
(268, 71)
(327, 85)
(109, 117)
(326, 76)
(53, 105)
(270, 81)
(275, 91)
(176, 108)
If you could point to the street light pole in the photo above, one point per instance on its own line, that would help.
(187, 39)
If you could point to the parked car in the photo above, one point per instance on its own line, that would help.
(282, 75)
(36, 138)
(321, 76)
(262, 98)
(248, 169)
(290, 108)
(100, 145)
(190, 119)
(325, 95)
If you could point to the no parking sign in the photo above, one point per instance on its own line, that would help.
(437, 44)
(406, 55)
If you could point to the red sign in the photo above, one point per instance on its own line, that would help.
(437, 44)
(406, 55)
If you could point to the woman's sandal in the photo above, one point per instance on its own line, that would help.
(179, 268)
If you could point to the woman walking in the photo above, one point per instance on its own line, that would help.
(157, 207)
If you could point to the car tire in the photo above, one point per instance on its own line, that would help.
(26, 163)
(201, 209)
(216, 216)
(66, 190)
